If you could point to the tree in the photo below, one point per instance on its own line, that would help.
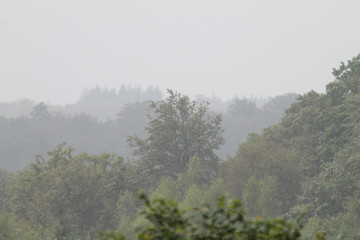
(260, 197)
(7, 230)
(5, 182)
(328, 193)
(132, 119)
(226, 221)
(347, 80)
(243, 107)
(319, 125)
(244, 117)
(70, 196)
(181, 129)
(275, 108)
(261, 157)
(40, 112)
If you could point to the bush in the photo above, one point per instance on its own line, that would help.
(227, 221)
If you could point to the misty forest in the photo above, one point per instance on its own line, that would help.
(140, 163)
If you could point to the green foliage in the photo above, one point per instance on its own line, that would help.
(328, 193)
(261, 157)
(187, 188)
(319, 125)
(166, 189)
(347, 80)
(261, 197)
(214, 191)
(250, 196)
(269, 197)
(126, 204)
(343, 226)
(301, 130)
(315, 146)
(310, 159)
(5, 182)
(180, 130)
(7, 229)
(11, 229)
(194, 174)
(72, 196)
(193, 197)
(324, 128)
(226, 221)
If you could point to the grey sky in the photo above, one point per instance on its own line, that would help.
(51, 50)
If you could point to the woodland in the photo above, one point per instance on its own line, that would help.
(293, 161)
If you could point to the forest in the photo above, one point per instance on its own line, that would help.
(73, 172)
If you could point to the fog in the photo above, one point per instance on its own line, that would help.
(52, 50)
(191, 101)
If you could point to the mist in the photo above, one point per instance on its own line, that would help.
(51, 51)
(232, 118)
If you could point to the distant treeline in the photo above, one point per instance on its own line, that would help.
(36, 128)
(101, 103)
(104, 103)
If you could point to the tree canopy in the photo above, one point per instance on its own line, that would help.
(180, 129)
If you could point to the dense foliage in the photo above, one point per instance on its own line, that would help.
(68, 195)
(309, 161)
(225, 221)
(181, 129)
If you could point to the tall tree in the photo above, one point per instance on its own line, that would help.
(40, 111)
(181, 129)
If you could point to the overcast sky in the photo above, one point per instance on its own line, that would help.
(51, 50)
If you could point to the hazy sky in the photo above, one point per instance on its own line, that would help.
(51, 50)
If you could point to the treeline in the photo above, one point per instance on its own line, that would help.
(44, 126)
(101, 103)
(104, 103)
(308, 161)
(73, 196)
